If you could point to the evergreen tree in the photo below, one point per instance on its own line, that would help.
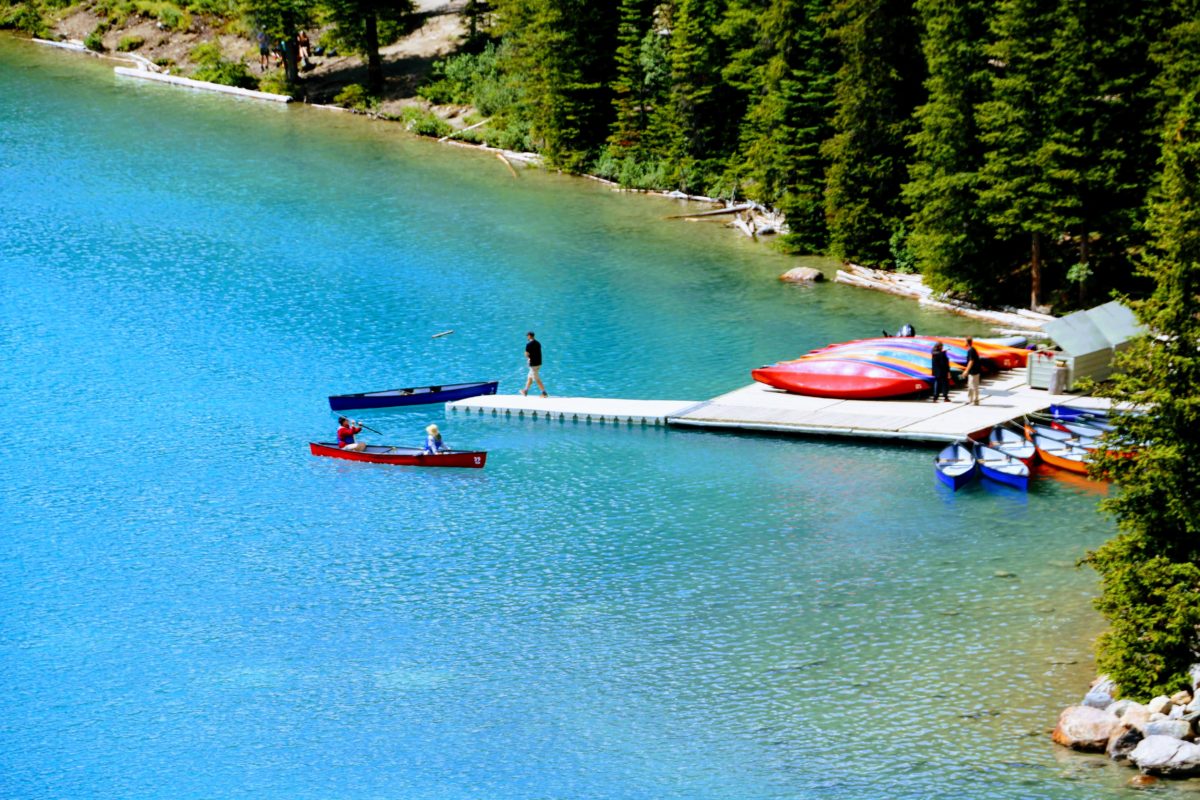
(780, 162)
(361, 25)
(1150, 572)
(1032, 127)
(703, 111)
(878, 85)
(950, 237)
(562, 52)
(629, 86)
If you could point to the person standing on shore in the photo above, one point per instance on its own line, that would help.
(973, 371)
(940, 366)
(533, 355)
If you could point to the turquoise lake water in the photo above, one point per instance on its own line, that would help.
(194, 607)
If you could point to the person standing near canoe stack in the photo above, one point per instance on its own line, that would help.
(533, 354)
(973, 371)
(940, 366)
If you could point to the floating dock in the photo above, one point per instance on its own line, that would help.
(581, 409)
(760, 408)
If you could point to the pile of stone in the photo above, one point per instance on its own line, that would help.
(1158, 737)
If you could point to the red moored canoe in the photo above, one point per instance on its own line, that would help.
(405, 456)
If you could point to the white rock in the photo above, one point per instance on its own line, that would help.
(1136, 716)
(1175, 728)
(802, 275)
(1194, 674)
(1119, 707)
(1159, 705)
(1103, 683)
(1085, 728)
(1166, 755)
(1181, 698)
(1098, 699)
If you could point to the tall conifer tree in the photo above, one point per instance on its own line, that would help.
(1150, 572)
(878, 85)
(949, 235)
(1032, 127)
(788, 120)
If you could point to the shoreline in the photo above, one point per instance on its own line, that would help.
(759, 221)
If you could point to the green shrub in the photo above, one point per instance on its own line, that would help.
(95, 40)
(215, 68)
(356, 98)
(275, 83)
(471, 79)
(26, 17)
(424, 123)
(130, 43)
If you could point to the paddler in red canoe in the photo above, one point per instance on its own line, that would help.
(346, 433)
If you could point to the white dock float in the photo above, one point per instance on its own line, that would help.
(759, 407)
(581, 409)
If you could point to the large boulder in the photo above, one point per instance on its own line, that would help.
(1122, 743)
(1160, 705)
(1175, 728)
(1181, 698)
(802, 275)
(1166, 755)
(1194, 674)
(1137, 716)
(1085, 728)
(1097, 699)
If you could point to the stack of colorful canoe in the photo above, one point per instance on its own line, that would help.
(878, 368)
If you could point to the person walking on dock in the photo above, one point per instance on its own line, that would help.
(940, 366)
(973, 371)
(533, 355)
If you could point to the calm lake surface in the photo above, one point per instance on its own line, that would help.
(191, 606)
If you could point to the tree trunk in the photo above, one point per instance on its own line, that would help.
(290, 65)
(374, 61)
(1084, 252)
(1035, 273)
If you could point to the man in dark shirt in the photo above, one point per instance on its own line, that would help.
(533, 354)
(940, 364)
(973, 371)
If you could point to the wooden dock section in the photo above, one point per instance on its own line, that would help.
(581, 409)
(759, 407)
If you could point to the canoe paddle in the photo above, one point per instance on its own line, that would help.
(366, 428)
(440, 335)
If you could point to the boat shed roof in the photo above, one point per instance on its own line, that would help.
(1105, 327)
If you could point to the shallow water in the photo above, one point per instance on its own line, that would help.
(195, 607)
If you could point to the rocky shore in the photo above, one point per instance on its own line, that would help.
(1158, 737)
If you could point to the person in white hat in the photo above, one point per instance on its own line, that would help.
(433, 440)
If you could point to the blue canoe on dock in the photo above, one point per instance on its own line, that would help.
(416, 396)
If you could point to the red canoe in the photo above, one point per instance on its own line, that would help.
(406, 456)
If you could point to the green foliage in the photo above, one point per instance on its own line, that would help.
(128, 44)
(878, 86)
(356, 97)
(27, 16)
(95, 40)
(215, 68)
(274, 82)
(1150, 573)
(424, 123)
(472, 79)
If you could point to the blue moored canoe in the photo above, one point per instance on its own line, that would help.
(1001, 467)
(420, 395)
(955, 466)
